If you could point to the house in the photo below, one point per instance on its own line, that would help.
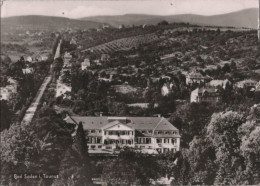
(73, 41)
(248, 83)
(104, 26)
(29, 59)
(219, 83)
(28, 70)
(195, 77)
(148, 134)
(206, 94)
(62, 89)
(166, 89)
(67, 58)
(104, 57)
(85, 64)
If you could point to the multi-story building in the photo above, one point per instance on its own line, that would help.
(206, 94)
(147, 134)
(195, 77)
(248, 83)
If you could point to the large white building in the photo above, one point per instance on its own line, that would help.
(148, 134)
(195, 77)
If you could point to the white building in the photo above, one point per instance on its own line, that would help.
(206, 94)
(166, 89)
(147, 134)
(248, 83)
(85, 64)
(28, 70)
(195, 77)
(219, 83)
(62, 89)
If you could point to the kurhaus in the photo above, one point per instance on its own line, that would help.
(148, 134)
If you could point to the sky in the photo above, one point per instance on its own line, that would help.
(78, 9)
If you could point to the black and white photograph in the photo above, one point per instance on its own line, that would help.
(130, 92)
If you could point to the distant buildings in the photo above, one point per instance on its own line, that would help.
(28, 70)
(195, 77)
(166, 89)
(62, 89)
(219, 83)
(206, 94)
(248, 83)
(104, 57)
(85, 64)
(148, 134)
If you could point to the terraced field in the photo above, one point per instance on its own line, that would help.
(123, 44)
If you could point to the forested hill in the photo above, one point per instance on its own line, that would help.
(46, 22)
(244, 18)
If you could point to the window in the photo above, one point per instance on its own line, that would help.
(92, 146)
(100, 146)
(143, 131)
(159, 140)
(100, 131)
(92, 131)
(150, 131)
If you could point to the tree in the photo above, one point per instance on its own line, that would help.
(5, 115)
(131, 168)
(222, 133)
(75, 166)
(34, 148)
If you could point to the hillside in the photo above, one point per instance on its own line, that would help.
(45, 22)
(244, 18)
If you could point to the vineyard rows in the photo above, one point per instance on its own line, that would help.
(123, 44)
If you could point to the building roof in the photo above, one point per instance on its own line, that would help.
(217, 82)
(138, 123)
(202, 90)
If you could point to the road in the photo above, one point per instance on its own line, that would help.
(33, 107)
(30, 112)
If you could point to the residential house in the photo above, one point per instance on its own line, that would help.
(147, 134)
(104, 57)
(28, 70)
(67, 58)
(248, 83)
(206, 94)
(62, 89)
(85, 64)
(166, 88)
(195, 77)
(219, 83)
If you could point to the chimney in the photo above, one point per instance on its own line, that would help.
(159, 115)
(100, 114)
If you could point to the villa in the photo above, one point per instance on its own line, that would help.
(151, 135)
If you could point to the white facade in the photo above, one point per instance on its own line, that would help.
(61, 89)
(151, 135)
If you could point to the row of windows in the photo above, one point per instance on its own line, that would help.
(131, 132)
(118, 133)
(166, 140)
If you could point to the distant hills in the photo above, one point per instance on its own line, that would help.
(46, 22)
(244, 18)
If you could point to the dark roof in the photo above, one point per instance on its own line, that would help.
(138, 123)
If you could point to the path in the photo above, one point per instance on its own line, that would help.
(33, 107)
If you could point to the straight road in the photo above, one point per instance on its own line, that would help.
(33, 107)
